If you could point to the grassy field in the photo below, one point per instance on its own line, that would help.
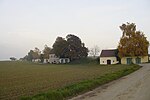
(25, 79)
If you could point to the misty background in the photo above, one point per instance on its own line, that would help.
(26, 24)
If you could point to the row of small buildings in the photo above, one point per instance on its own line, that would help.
(53, 59)
(107, 57)
(111, 57)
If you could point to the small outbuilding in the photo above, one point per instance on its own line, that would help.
(109, 57)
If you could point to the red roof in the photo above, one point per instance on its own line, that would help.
(109, 53)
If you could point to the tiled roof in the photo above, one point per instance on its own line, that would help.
(109, 53)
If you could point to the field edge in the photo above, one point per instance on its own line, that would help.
(81, 87)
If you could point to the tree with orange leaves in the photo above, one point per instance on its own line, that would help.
(132, 42)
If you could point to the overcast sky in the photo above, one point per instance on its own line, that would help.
(25, 24)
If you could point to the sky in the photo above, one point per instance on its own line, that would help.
(26, 24)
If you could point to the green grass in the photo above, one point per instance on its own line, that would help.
(19, 79)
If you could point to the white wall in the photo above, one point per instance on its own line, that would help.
(64, 60)
(103, 60)
(53, 58)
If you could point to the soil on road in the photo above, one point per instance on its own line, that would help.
(135, 86)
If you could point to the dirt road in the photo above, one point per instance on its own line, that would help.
(135, 86)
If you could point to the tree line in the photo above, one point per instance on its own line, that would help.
(70, 47)
(132, 43)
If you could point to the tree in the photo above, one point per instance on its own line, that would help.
(132, 42)
(29, 57)
(128, 29)
(33, 54)
(72, 47)
(94, 51)
(76, 49)
(46, 52)
(36, 53)
(60, 47)
(13, 58)
(42, 58)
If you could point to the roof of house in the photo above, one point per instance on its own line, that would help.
(109, 53)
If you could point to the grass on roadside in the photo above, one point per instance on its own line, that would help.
(83, 86)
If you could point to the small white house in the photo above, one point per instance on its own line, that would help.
(109, 57)
(53, 59)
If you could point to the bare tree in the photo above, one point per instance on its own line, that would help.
(94, 51)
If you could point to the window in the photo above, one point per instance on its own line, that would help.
(129, 60)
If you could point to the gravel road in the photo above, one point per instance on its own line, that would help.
(135, 86)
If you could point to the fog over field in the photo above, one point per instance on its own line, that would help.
(25, 24)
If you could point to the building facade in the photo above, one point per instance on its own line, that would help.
(135, 60)
(53, 59)
(109, 57)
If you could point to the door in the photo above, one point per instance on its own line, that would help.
(129, 60)
(138, 60)
(108, 62)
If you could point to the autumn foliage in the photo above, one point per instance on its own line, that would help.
(132, 42)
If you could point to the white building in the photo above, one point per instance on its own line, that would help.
(109, 57)
(36, 60)
(64, 60)
(53, 59)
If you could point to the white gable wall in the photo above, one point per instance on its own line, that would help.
(103, 60)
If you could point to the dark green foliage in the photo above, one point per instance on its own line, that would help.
(72, 47)
(60, 47)
(30, 55)
(74, 89)
(42, 58)
(85, 61)
(76, 48)
(98, 60)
